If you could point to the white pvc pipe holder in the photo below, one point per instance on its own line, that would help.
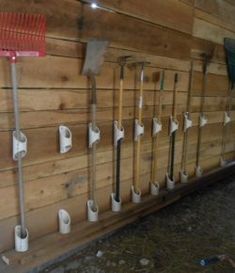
(174, 125)
(227, 118)
(119, 133)
(139, 129)
(154, 188)
(91, 214)
(21, 244)
(116, 205)
(223, 162)
(199, 171)
(64, 221)
(19, 145)
(157, 126)
(65, 139)
(183, 177)
(203, 120)
(170, 184)
(94, 135)
(188, 123)
(136, 197)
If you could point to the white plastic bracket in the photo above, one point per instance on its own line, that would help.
(203, 120)
(136, 197)
(92, 215)
(19, 145)
(223, 162)
(157, 126)
(116, 205)
(187, 121)
(94, 135)
(170, 184)
(64, 221)
(21, 244)
(174, 125)
(227, 118)
(139, 129)
(199, 171)
(118, 133)
(154, 188)
(183, 177)
(65, 139)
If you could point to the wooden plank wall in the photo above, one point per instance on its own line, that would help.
(52, 92)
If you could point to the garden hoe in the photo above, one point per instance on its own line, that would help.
(21, 35)
(173, 127)
(187, 125)
(202, 117)
(229, 45)
(139, 131)
(94, 59)
(157, 128)
(118, 139)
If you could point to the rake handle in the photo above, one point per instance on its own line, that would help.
(19, 156)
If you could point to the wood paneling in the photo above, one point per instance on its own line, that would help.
(53, 92)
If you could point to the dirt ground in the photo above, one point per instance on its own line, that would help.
(170, 241)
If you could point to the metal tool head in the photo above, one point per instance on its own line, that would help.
(94, 57)
(123, 60)
(229, 45)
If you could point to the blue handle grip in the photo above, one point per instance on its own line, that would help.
(209, 261)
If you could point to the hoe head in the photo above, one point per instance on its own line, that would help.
(94, 57)
(229, 45)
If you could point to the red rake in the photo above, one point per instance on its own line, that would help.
(21, 35)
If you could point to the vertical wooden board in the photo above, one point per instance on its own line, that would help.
(169, 13)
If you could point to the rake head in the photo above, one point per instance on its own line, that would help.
(22, 34)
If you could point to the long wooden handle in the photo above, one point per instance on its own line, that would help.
(138, 146)
(155, 139)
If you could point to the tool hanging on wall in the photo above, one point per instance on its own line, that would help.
(173, 127)
(229, 45)
(118, 139)
(139, 132)
(94, 59)
(202, 117)
(156, 129)
(21, 35)
(187, 125)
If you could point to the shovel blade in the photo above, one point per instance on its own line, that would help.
(229, 45)
(94, 57)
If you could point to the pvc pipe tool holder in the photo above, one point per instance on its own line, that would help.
(118, 133)
(94, 135)
(139, 129)
(188, 123)
(174, 125)
(170, 184)
(135, 197)
(223, 162)
(19, 145)
(157, 126)
(183, 177)
(91, 214)
(203, 120)
(65, 139)
(116, 205)
(154, 188)
(21, 244)
(64, 221)
(227, 118)
(199, 171)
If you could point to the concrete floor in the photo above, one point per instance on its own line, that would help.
(170, 241)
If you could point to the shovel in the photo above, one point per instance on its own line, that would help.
(94, 59)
